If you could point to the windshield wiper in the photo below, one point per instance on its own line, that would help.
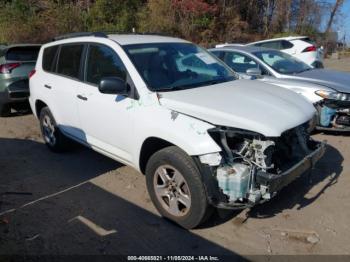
(171, 88)
(194, 85)
(307, 69)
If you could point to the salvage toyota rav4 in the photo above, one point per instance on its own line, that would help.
(177, 114)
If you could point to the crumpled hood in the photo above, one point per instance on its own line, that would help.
(245, 104)
(340, 81)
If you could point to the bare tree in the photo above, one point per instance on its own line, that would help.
(334, 11)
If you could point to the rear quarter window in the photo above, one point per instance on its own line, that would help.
(308, 40)
(270, 44)
(286, 45)
(49, 57)
(23, 53)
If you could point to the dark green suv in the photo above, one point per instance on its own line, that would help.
(16, 62)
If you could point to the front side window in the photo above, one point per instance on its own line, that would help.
(49, 57)
(102, 62)
(239, 62)
(174, 66)
(69, 60)
(282, 62)
(219, 54)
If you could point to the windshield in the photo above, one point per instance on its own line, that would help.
(176, 66)
(282, 62)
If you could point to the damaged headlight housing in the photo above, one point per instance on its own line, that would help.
(212, 159)
(333, 95)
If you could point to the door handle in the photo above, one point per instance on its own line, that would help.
(82, 97)
(48, 86)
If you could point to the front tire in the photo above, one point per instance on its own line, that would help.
(51, 134)
(176, 188)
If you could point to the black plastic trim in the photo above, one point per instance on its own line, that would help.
(277, 182)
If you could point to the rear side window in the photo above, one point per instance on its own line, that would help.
(23, 53)
(49, 57)
(271, 44)
(69, 60)
(102, 62)
(308, 40)
(286, 44)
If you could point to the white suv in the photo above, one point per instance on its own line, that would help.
(301, 47)
(177, 114)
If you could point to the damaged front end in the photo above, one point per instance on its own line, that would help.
(253, 168)
(333, 111)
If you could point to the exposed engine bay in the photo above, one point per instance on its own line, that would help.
(254, 168)
(334, 115)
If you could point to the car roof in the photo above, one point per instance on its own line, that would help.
(131, 39)
(122, 39)
(288, 38)
(244, 48)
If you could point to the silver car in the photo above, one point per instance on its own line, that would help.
(328, 90)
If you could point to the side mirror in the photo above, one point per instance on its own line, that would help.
(113, 85)
(254, 72)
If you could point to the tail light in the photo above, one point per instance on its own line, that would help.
(310, 49)
(31, 73)
(7, 68)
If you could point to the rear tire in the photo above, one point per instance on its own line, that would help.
(5, 110)
(176, 188)
(53, 137)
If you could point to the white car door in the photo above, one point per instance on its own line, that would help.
(63, 87)
(105, 118)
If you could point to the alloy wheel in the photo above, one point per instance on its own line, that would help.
(172, 190)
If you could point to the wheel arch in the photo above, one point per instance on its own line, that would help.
(39, 105)
(150, 146)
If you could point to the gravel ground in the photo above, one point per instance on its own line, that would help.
(338, 64)
(82, 203)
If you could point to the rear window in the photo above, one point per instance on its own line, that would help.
(69, 60)
(23, 53)
(49, 57)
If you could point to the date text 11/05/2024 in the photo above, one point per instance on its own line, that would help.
(173, 258)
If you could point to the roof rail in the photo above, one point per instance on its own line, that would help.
(79, 34)
(135, 33)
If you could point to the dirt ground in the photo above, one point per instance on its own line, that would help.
(82, 203)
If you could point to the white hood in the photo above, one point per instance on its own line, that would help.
(245, 104)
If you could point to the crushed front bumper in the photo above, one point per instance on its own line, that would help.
(275, 183)
(329, 112)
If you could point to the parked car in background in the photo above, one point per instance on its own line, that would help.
(16, 62)
(301, 47)
(328, 90)
(175, 112)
